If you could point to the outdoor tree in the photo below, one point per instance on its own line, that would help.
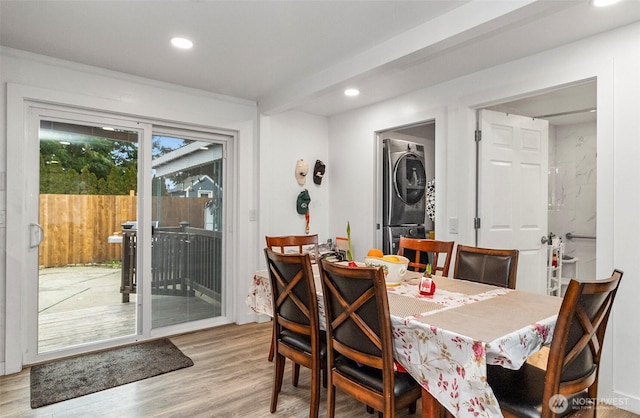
(89, 165)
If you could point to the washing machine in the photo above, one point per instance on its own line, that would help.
(404, 183)
(391, 238)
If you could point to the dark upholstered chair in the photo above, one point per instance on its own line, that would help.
(360, 341)
(574, 357)
(440, 253)
(292, 243)
(295, 322)
(486, 265)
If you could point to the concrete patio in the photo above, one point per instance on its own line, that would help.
(64, 289)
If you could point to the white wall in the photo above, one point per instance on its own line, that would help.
(573, 168)
(355, 153)
(89, 87)
(284, 139)
(614, 59)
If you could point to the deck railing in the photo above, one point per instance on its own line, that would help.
(184, 260)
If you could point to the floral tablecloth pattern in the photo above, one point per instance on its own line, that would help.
(260, 301)
(452, 367)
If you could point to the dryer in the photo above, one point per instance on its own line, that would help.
(404, 183)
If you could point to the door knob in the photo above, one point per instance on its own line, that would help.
(544, 239)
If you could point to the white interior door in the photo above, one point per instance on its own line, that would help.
(513, 183)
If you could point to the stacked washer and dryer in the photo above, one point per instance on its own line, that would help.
(404, 182)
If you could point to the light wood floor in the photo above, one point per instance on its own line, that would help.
(231, 378)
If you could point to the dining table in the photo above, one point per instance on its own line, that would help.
(447, 340)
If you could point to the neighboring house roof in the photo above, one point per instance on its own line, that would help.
(192, 181)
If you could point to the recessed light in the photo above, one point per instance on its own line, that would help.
(603, 3)
(182, 43)
(351, 92)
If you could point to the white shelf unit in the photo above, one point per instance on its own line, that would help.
(569, 271)
(554, 269)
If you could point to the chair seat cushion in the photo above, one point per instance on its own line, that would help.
(372, 377)
(303, 342)
(520, 392)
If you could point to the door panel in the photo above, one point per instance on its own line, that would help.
(86, 183)
(187, 256)
(512, 191)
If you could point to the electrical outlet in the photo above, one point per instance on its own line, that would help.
(453, 225)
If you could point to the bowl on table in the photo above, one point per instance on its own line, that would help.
(394, 266)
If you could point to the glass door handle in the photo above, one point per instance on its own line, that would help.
(36, 235)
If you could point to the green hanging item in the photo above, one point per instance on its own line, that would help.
(349, 250)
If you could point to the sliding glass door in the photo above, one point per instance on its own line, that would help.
(187, 263)
(126, 225)
(87, 191)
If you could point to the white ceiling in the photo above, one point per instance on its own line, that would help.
(302, 54)
(563, 106)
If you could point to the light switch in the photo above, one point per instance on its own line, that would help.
(453, 225)
(252, 215)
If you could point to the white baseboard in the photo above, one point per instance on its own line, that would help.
(624, 401)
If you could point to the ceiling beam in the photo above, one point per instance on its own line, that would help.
(458, 27)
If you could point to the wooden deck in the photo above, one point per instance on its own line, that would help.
(83, 304)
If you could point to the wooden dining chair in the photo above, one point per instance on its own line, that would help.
(295, 243)
(296, 323)
(421, 252)
(360, 341)
(570, 380)
(292, 243)
(486, 265)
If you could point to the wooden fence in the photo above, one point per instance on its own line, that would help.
(77, 227)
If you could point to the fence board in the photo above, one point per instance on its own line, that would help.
(76, 227)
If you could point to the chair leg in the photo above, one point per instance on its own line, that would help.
(273, 345)
(331, 401)
(314, 406)
(413, 407)
(278, 372)
(295, 374)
